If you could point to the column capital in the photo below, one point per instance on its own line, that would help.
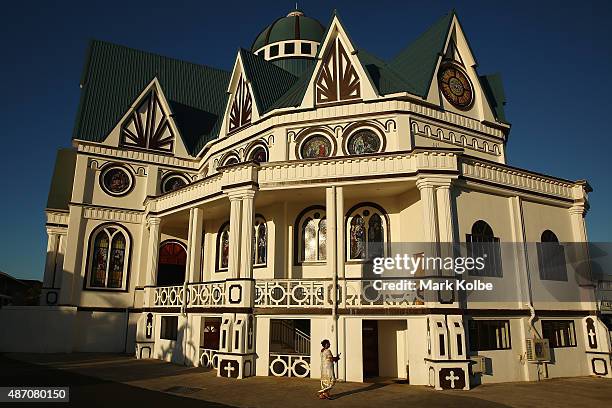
(579, 209)
(241, 194)
(434, 181)
(153, 221)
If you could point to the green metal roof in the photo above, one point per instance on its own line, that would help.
(269, 82)
(291, 27)
(494, 90)
(417, 62)
(115, 75)
(60, 192)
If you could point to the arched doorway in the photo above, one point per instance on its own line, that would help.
(172, 261)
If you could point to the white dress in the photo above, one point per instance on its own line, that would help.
(328, 377)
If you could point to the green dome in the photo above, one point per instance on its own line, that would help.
(295, 26)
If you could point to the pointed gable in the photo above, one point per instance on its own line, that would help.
(147, 126)
(241, 111)
(339, 74)
(337, 79)
(114, 76)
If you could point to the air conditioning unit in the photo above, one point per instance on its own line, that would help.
(538, 350)
(478, 364)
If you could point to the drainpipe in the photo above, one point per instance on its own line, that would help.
(532, 313)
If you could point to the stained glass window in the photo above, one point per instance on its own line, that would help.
(259, 154)
(312, 237)
(317, 146)
(223, 246)
(309, 240)
(366, 226)
(259, 241)
(363, 142)
(322, 240)
(100, 258)
(231, 160)
(108, 258)
(115, 278)
(172, 183)
(116, 181)
(357, 240)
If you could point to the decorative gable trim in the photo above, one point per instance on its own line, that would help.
(242, 107)
(457, 60)
(338, 75)
(337, 79)
(147, 126)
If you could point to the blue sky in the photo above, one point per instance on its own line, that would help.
(555, 58)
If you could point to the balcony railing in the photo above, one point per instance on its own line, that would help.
(290, 293)
(198, 294)
(293, 293)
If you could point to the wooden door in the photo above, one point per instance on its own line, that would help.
(369, 334)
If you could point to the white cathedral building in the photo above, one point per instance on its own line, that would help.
(229, 219)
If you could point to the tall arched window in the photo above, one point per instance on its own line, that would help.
(551, 258)
(260, 241)
(108, 265)
(482, 243)
(366, 232)
(223, 247)
(311, 231)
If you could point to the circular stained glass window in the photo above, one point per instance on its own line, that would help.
(363, 142)
(116, 181)
(316, 147)
(172, 183)
(259, 154)
(456, 87)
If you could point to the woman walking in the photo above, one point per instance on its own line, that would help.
(328, 376)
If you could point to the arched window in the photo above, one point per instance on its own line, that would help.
(172, 263)
(259, 154)
(311, 231)
(108, 265)
(366, 232)
(482, 243)
(223, 247)
(260, 241)
(172, 182)
(230, 159)
(551, 258)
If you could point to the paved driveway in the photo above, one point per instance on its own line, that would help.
(104, 380)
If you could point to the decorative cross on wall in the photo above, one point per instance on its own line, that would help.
(592, 336)
(452, 378)
(229, 368)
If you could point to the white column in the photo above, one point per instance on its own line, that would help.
(52, 250)
(428, 202)
(341, 234)
(153, 250)
(246, 239)
(446, 221)
(235, 229)
(577, 213)
(332, 237)
(194, 244)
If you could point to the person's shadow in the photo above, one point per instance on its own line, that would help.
(370, 387)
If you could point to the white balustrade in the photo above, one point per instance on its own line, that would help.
(209, 358)
(363, 293)
(198, 294)
(292, 293)
(289, 365)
